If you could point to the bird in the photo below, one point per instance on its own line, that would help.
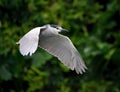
(48, 37)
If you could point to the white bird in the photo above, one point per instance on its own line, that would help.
(48, 38)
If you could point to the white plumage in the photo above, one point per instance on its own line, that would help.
(48, 38)
(29, 42)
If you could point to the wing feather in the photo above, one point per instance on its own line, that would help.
(29, 42)
(61, 47)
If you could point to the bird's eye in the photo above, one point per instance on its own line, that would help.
(57, 28)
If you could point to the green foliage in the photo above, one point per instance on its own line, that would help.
(36, 79)
(93, 28)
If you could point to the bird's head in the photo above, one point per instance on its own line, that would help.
(55, 28)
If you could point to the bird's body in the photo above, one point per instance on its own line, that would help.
(48, 38)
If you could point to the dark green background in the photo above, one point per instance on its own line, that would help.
(94, 28)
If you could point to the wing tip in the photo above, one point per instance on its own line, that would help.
(26, 53)
(81, 70)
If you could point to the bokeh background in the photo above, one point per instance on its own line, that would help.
(94, 28)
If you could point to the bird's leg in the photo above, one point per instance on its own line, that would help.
(17, 43)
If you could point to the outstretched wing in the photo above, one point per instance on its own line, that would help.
(62, 47)
(29, 42)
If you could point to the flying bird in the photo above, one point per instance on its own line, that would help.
(48, 38)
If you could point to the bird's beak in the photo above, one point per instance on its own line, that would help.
(64, 30)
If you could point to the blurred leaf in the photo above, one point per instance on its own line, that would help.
(4, 73)
(40, 58)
